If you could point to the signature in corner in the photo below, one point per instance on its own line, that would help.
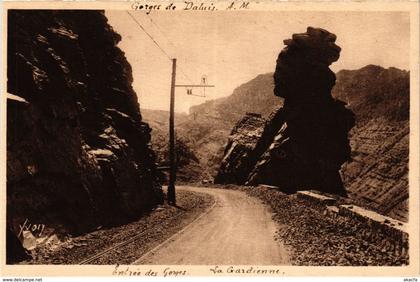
(34, 228)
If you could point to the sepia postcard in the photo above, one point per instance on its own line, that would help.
(210, 138)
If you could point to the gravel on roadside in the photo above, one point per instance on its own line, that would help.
(156, 227)
(316, 239)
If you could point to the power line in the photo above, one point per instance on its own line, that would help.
(151, 37)
(160, 30)
(170, 42)
(156, 43)
(171, 195)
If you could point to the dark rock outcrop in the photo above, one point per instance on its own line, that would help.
(78, 152)
(212, 121)
(306, 145)
(243, 140)
(377, 176)
(14, 249)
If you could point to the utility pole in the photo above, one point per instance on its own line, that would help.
(172, 160)
(172, 154)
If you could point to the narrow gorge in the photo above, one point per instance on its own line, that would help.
(309, 163)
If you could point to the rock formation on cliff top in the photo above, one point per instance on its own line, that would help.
(306, 141)
(78, 153)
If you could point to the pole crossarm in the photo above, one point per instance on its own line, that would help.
(193, 85)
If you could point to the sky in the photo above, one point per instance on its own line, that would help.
(231, 48)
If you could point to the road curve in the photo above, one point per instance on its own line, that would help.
(238, 230)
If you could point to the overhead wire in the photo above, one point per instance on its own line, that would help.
(157, 44)
(150, 36)
(170, 42)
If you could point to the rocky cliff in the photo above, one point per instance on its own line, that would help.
(309, 141)
(378, 171)
(240, 152)
(78, 153)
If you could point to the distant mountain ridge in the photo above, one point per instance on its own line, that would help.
(371, 91)
(254, 96)
(374, 92)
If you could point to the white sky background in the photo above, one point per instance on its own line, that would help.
(233, 47)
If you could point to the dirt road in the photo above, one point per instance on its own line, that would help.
(238, 229)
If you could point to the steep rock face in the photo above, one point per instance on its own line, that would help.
(378, 173)
(211, 122)
(238, 162)
(308, 142)
(78, 152)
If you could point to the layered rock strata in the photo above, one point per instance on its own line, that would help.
(243, 141)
